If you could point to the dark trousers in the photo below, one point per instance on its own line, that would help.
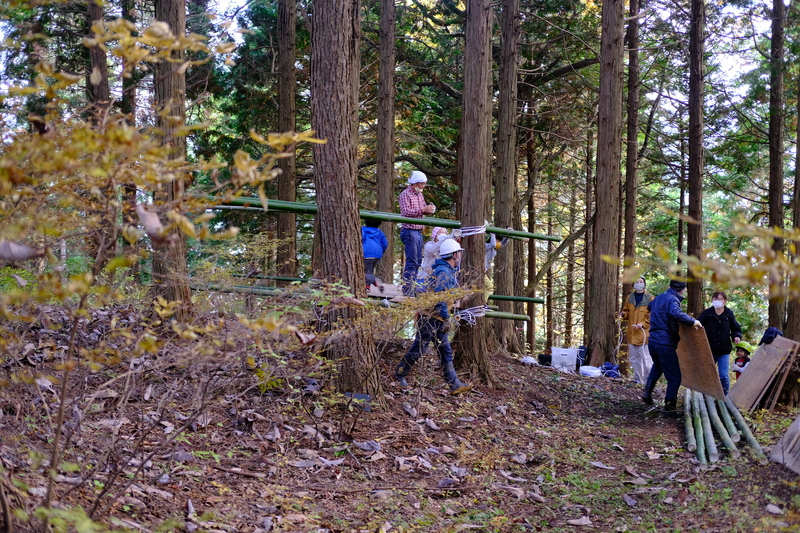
(369, 265)
(665, 361)
(429, 330)
(412, 243)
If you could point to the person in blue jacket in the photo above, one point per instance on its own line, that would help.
(434, 327)
(374, 242)
(665, 316)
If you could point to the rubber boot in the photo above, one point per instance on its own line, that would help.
(647, 395)
(400, 374)
(670, 409)
(456, 385)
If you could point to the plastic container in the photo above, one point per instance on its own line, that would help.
(564, 359)
(590, 371)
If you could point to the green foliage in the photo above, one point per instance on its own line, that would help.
(9, 281)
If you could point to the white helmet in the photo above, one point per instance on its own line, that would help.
(449, 246)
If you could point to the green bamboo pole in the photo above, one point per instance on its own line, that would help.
(691, 441)
(698, 429)
(711, 407)
(502, 297)
(711, 446)
(748, 435)
(248, 203)
(726, 418)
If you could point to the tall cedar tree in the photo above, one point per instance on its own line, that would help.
(602, 305)
(475, 172)
(335, 40)
(385, 141)
(694, 231)
(287, 92)
(506, 172)
(776, 118)
(170, 269)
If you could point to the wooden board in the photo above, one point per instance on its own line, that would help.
(787, 451)
(698, 369)
(764, 365)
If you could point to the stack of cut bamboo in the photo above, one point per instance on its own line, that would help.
(703, 415)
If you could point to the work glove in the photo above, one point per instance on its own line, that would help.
(697, 324)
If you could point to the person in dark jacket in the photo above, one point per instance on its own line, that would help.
(374, 243)
(665, 316)
(721, 328)
(434, 327)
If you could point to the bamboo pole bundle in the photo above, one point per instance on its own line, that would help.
(711, 407)
(711, 446)
(698, 429)
(748, 435)
(729, 424)
(691, 440)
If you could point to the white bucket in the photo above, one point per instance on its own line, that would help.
(590, 371)
(564, 359)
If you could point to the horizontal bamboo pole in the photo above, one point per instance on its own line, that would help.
(711, 446)
(309, 208)
(748, 435)
(720, 427)
(726, 418)
(698, 429)
(691, 440)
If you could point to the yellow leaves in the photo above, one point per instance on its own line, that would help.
(156, 33)
(80, 283)
(95, 77)
(225, 48)
(281, 141)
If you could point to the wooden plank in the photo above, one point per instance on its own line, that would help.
(748, 390)
(787, 451)
(698, 369)
(787, 368)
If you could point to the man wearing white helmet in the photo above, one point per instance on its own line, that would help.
(412, 205)
(433, 327)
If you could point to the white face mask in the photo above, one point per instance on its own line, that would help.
(638, 286)
(718, 304)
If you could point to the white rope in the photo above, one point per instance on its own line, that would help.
(473, 230)
(471, 315)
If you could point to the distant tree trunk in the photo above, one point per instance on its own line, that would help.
(128, 108)
(506, 171)
(287, 112)
(99, 91)
(170, 269)
(385, 140)
(682, 199)
(569, 311)
(532, 174)
(631, 140)
(602, 333)
(335, 37)
(793, 307)
(589, 238)
(776, 116)
(476, 180)
(694, 231)
(549, 306)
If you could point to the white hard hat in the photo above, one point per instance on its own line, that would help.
(417, 177)
(449, 246)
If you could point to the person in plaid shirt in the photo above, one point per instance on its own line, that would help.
(412, 205)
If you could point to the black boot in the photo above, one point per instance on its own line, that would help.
(456, 385)
(400, 374)
(670, 409)
(647, 395)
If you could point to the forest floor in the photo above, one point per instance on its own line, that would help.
(551, 452)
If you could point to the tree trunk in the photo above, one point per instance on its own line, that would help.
(287, 113)
(170, 269)
(569, 302)
(589, 238)
(335, 40)
(506, 171)
(99, 91)
(632, 141)
(776, 115)
(532, 173)
(549, 305)
(602, 332)
(793, 307)
(385, 140)
(694, 231)
(476, 180)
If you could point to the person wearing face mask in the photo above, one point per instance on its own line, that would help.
(721, 328)
(413, 205)
(665, 317)
(638, 316)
